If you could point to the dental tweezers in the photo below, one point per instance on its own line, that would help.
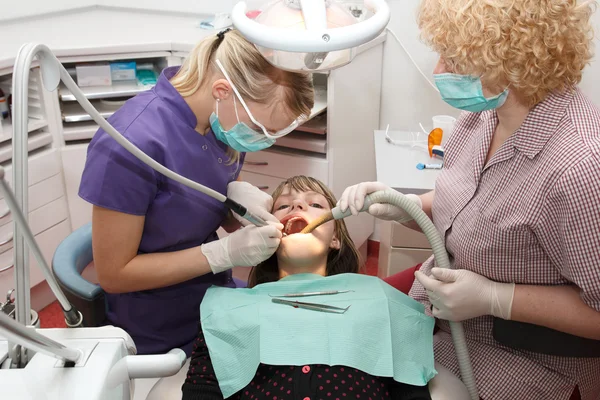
(312, 306)
(306, 294)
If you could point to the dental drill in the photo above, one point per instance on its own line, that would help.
(441, 257)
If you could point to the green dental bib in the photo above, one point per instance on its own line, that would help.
(384, 332)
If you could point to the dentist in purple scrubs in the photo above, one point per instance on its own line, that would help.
(155, 245)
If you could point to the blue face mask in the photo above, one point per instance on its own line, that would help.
(241, 137)
(466, 93)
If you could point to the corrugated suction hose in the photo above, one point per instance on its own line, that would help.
(441, 258)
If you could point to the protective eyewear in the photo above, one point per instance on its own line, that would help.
(297, 122)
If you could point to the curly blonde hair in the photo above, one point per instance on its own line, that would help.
(535, 47)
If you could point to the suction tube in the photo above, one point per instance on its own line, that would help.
(441, 257)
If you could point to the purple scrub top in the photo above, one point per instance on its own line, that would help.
(162, 125)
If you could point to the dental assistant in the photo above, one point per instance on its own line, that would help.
(155, 245)
(517, 200)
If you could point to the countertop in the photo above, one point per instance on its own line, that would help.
(397, 165)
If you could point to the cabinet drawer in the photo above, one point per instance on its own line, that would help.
(40, 194)
(48, 242)
(406, 237)
(285, 165)
(41, 166)
(401, 259)
(39, 221)
(264, 182)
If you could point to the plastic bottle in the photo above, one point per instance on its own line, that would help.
(3, 105)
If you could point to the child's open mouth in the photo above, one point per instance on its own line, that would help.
(293, 225)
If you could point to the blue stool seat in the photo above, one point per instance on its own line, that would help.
(70, 259)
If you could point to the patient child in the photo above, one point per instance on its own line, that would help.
(327, 252)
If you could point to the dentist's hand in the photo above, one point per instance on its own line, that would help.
(354, 198)
(246, 247)
(254, 199)
(458, 294)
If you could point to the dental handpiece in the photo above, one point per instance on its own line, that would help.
(244, 213)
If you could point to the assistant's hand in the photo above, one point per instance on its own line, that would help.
(254, 199)
(246, 247)
(354, 198)
(458, 294)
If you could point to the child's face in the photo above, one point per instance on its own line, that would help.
(295, 210)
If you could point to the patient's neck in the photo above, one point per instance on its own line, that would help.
(292, 267)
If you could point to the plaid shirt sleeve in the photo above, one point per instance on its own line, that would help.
(569, 228)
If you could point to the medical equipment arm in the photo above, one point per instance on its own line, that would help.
(73, 318)
(441, 258)
(29, 338)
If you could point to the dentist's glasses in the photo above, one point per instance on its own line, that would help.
(295, 124)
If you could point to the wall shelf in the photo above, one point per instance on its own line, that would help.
(117, 89)
(73, 112)
(33, 125)
(35, 141)
(79, 130)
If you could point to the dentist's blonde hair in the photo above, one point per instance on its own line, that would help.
(253, 76)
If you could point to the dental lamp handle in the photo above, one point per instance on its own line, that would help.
(73, 318)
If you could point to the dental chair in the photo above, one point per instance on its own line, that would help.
(71, 258)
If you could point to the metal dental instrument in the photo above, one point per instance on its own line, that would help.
(306, 294)
(312, 306)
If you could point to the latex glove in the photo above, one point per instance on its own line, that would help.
(458, 294)
(254, 199)
(245, 247)
(354, 198)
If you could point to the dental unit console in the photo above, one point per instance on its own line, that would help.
(69, 364)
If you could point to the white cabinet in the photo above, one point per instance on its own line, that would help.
(73, 162)
(48, 216)
(47, 209)
(401, 248)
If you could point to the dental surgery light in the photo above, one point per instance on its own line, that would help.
(310, 35)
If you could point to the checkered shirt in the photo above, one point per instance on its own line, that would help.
(531, 215)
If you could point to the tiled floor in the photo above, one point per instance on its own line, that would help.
(52, 317)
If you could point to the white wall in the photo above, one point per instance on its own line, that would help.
(26, 8)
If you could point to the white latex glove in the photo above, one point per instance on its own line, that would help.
(254, 199)
(458, 294)
(245, 247)
(354, 198)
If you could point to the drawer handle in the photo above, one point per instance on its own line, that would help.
(256, 162)
(7, 268)
(7, 241)
(263, 187)
(5, 213)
